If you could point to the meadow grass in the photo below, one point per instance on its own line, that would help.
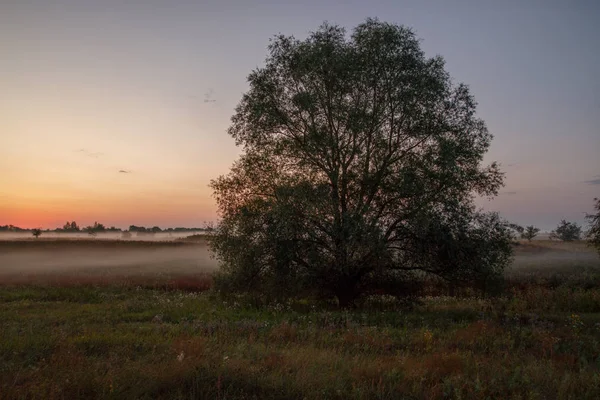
(127, 342)
(540, 340)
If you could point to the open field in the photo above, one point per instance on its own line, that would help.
(111, 319)
(92, 261)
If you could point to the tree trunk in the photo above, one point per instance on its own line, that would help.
(346, 295)
(345, 300)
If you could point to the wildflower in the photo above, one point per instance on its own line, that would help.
(428, 336)
(576, 322)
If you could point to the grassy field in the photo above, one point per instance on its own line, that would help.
(132, 337)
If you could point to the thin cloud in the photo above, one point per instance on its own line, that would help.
(88, 153)
(594, 181)
(123, 171)
(509, 193)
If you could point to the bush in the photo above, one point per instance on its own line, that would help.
(567, 231)
(530, 232)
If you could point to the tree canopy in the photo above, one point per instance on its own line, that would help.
(593, 235)
(361, 160)
(566, 231)
(71, 227)
(96, 228)
(530, 232)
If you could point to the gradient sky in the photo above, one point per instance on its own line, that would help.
(90, 88)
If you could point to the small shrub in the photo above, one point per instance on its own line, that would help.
(530, 232)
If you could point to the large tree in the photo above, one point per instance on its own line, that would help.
(361, 160)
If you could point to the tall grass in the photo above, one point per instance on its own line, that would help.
(134, 342)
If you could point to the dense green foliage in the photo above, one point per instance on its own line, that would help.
(361, 160)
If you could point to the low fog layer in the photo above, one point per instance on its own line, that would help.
(155, 237)
(554, 257)
(93, 258)
(156, 261)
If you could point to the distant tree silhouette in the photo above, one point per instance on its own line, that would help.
(566, 231)
(98, 227)
(593, 235)
(95, 229)
(11, 228)
(71, 227)
(134, 228)
(36, 232)
(529, 233)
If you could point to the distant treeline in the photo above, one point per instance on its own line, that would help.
(155, 229)
(72, 226)
(12, 228)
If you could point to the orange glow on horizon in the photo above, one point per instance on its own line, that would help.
(48, 214)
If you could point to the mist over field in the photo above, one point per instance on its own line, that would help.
(546, 258)
(136, 236)
(36, 260)
(77, 255)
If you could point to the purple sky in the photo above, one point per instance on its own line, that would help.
(90, 88)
